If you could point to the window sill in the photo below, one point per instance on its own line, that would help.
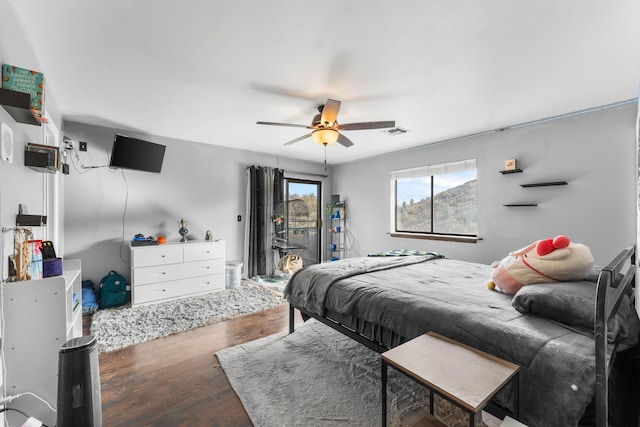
(441, 237)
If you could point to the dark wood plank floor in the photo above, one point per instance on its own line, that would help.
(177, 380)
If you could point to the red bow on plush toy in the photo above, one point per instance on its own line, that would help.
(547, 246)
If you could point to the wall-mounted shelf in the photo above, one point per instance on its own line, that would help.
(42, 158)
(543, 184)
(511, 171)
(17, 104)
(513, 205)
(31, 220)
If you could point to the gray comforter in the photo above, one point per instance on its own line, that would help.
(412, 295)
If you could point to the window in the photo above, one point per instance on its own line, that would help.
(436, 200)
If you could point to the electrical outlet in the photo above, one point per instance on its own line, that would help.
(83, 146)
(68, 143)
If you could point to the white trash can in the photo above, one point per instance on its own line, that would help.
(233, 274)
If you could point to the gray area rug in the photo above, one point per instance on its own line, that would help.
(318, 377)
(120, 327)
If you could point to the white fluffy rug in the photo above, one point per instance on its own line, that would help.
(120, 327)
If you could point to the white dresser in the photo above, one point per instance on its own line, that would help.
(176, 270)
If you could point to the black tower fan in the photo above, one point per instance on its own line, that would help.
(79, 399)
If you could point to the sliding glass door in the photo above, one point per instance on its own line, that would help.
(303, 197)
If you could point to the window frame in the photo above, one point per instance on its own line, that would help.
(429, 171)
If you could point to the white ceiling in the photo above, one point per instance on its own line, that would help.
(206, 71)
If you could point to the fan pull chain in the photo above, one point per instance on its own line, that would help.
(325, 157)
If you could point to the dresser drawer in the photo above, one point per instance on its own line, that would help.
(157, 255)
(199, 252)
(209, 283)
(203, 268)
(157, 273)
(157, 291)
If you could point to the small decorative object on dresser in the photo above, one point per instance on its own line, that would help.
(208, 235)
(183, 230)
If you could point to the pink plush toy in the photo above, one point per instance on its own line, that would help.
(544, 261)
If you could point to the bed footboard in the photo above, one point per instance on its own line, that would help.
(619, 275)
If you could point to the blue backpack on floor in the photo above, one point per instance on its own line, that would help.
(113, 290)
(89, 300)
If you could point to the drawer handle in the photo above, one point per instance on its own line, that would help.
(161, 274)
(160, 256)
(161, 290)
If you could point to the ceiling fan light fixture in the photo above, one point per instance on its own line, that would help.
(325, 136)
(325, 129)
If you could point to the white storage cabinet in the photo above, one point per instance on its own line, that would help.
(40, 316)
(176, 270)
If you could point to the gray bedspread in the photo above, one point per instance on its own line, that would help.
(412, 295)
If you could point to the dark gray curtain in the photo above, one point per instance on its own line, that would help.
(278, 186)
(265, 188)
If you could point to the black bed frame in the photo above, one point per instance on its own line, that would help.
(619, 274)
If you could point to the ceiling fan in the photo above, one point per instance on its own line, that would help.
(325, 129)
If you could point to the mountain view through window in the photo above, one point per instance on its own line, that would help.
(439, 204)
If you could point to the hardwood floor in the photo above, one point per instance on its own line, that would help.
(177, 380)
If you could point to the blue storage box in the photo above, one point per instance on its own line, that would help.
(51, 267)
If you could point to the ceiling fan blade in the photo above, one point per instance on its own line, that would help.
(284, 91)
(367, 125)
(282, 124)
(343, 140)
(330, 111)
(293, 141)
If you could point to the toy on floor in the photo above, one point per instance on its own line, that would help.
(289, 264)
(543, 261)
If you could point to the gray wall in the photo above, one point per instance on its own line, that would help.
(594, 152)
(204, 184)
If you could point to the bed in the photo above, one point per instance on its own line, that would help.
(564, 336)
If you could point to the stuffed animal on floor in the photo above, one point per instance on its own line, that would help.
(543, 261)
(289, 264)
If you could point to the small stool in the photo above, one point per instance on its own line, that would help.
(463, 375)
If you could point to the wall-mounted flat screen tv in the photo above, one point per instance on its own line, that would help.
(136, 154)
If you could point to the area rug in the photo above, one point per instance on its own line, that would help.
(121, 327)
(318, 377)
